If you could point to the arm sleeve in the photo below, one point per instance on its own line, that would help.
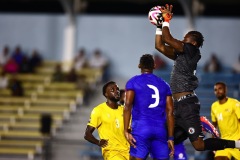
(237, 109)
(169, 93)
(95, 119)
(129, 85)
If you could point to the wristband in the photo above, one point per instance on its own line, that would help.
(158, 31)
(165, 24)
(171, 138)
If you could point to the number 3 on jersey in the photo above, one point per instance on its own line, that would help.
(156, 96)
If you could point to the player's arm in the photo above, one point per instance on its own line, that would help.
(166, 35)
(168, 39)
(90, 138)
(127, 116)
(170, 123)
(164, 49)
(215, 124)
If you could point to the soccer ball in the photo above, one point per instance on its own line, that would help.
(155, 16)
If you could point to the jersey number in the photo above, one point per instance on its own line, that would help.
(155, 96)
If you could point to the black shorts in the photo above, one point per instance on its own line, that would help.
(187, 120)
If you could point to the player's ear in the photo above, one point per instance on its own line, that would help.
(139, 66)
(194, 43)
(105, 94)
(154, 67)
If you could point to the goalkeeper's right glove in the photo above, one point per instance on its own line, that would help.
(159, 20)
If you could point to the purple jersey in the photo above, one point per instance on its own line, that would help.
(149, 115)
(149, 98)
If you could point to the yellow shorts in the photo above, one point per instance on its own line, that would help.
(229, 152)
(116, 155)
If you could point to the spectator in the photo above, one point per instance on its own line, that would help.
(83, 85)
(236, 66)
(35, 60)
(3, 80)
(80, 60)
(4, 56)
(72, 76)
(16, 87)
(18, 55)
(58, 75)
(11, 66)
(213, 65)
(97, 60)
(25, 66)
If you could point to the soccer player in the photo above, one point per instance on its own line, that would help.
(149, 105)
(225, 114)
(107, 117)
(179, 149)
(183, 82)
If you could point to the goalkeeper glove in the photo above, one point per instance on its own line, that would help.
(167, 13)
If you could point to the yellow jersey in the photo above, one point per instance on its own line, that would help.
(109, 123)
(227, 116)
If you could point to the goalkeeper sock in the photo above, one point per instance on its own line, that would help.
(219, 144)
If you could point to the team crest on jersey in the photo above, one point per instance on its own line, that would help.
(181, 156)
(191, 130)
(227, 110)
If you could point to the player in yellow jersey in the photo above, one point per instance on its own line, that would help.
(225, 114)
(107, 118)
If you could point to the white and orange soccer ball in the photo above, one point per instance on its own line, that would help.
(155, 16)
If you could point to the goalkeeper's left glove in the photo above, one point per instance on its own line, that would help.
(167, 13)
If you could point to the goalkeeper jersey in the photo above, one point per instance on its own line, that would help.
(227, 116)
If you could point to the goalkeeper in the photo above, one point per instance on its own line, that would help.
(183, 83)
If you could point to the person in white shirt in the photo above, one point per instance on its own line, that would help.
(4, 56)
(80, 60)
(97, 60)
(3, 81)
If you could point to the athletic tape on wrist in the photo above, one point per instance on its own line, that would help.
(165, 24)
(158, 31)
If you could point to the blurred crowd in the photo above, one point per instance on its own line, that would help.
(19, 62)
(16, 62)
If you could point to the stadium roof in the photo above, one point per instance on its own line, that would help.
(136, 7)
